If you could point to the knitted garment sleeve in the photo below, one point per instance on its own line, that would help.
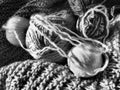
(24, 8)
(40, 75)
(39, 6)
(31, 75)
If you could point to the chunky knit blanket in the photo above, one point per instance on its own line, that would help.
(18, 70)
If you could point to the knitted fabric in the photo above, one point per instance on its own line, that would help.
(32, 75)
(41, 75)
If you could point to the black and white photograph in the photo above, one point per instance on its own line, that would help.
(59, 44)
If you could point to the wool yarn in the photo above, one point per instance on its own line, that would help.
(22, 8)
(33, 73)
(41, 75)
(38, 45)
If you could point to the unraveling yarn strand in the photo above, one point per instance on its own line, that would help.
(42, 27)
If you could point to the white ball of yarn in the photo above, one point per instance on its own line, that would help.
(85, 61)
(15, 27)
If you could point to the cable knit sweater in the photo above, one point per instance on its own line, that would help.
(18, 71)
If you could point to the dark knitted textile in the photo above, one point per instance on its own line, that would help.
(24, 74)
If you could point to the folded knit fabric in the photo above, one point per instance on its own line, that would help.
(40, 75)
(37, 75)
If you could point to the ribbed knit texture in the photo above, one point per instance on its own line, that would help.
(32, 75)
(41, 75)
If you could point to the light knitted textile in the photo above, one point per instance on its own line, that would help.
(37, 75)
(40, 75)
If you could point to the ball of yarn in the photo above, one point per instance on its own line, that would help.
(16, 27)
(94, 23)
(86, 61)
(44, 33)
